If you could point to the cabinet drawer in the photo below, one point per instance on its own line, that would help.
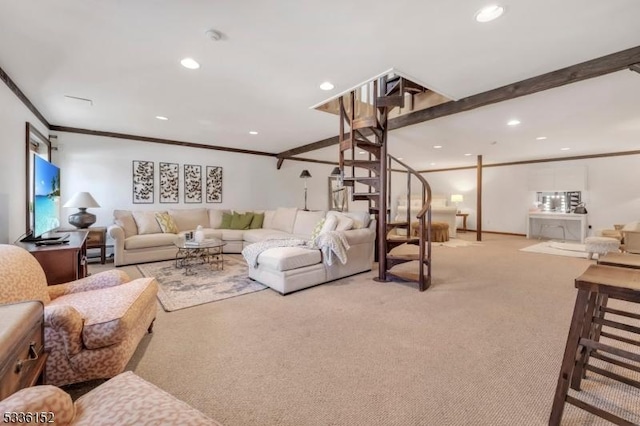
(22, 355)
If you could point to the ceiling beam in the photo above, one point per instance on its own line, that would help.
(594, 68)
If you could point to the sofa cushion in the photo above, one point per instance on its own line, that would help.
(149, 240)
(360, 219)
(232, 234)
(215, 217)
(146, 222)
(189, 219)
(124, 219)
(287, 258)
(284, 219)
(38, 399)
(344, 222)
(306, 221)
(241, 220)
(166, 222)
(268, 219)
(257, 221)
(256, 235)
(110, 314)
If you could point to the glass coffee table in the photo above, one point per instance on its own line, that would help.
(190, 253)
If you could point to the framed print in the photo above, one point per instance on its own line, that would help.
(169, 182)
(192, 183)
(338, 195)
(214, 184)
(143, 182)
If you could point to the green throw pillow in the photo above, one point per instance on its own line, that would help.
(166, 222)
(241, 221)
(258, 219)
(226, 221)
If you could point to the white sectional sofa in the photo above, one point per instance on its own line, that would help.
(139, 238)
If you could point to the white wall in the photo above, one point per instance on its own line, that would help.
(103, 166)
(612, 195)
(13, 117)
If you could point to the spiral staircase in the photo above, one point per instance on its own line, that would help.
(364, 114)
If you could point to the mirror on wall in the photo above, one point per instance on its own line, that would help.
(338, 195)
(39, 144)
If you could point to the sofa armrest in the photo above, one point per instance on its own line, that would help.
(67, 322)
(40, 399)
(360, 236)
(97, 281)
(116, 233)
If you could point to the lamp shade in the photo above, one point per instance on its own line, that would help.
(305, 174)
(457, 198)
(82, 200)
(336, 171)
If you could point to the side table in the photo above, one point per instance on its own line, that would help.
(464, 221)
(96, 239)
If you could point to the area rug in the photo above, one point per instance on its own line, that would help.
(178, 291)
(560, 249)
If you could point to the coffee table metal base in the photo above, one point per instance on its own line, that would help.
(187, 257)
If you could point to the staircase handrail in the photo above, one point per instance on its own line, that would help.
(425, 185)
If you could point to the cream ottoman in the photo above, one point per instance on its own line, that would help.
(601, 245)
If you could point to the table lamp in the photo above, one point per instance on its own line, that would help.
(82, 201)
(305, 175)
(457, 198)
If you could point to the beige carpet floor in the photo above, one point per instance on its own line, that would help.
(482, 346)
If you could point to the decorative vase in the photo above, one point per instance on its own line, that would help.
(198, 236)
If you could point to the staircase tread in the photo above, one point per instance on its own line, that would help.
(403, 256)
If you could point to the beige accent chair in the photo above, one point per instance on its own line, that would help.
(92, 325)
(628, 235)
(125, 400)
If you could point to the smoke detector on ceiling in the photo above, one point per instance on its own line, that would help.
(214, 35)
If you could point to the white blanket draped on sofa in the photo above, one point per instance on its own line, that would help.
(332, 243)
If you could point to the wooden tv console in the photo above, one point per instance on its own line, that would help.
(64, 262)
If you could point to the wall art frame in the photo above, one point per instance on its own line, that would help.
(192, 183)
(169, 176)
(143, 186)
(214, 184)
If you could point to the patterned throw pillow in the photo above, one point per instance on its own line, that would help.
(317, 229)
(166, 222)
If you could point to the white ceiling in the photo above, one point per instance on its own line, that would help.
(264, 75)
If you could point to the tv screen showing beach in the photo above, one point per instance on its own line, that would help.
(46, 203)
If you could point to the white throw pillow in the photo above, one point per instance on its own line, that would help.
(147, 223)
(344, 222)
(329, 224)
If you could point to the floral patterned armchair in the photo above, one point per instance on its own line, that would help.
(92, 325)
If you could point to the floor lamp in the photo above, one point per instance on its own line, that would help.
(305, 175)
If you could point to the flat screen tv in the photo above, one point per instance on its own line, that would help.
(46, 197)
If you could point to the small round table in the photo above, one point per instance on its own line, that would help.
(207, 251)
(601, 245)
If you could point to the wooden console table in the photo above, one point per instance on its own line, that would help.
(62, 263)
(464, 220)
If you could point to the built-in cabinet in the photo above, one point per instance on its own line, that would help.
(558, 179)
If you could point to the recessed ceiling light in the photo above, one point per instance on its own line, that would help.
(513, 122)
(433, 164)
(489, 13)
(400, 158)
(437, 146)
(565, 149)
(253, 132)
(326, 86)
(468, 154)
(160, 117)
(361, 152)
(541, 138)
(190, 63)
